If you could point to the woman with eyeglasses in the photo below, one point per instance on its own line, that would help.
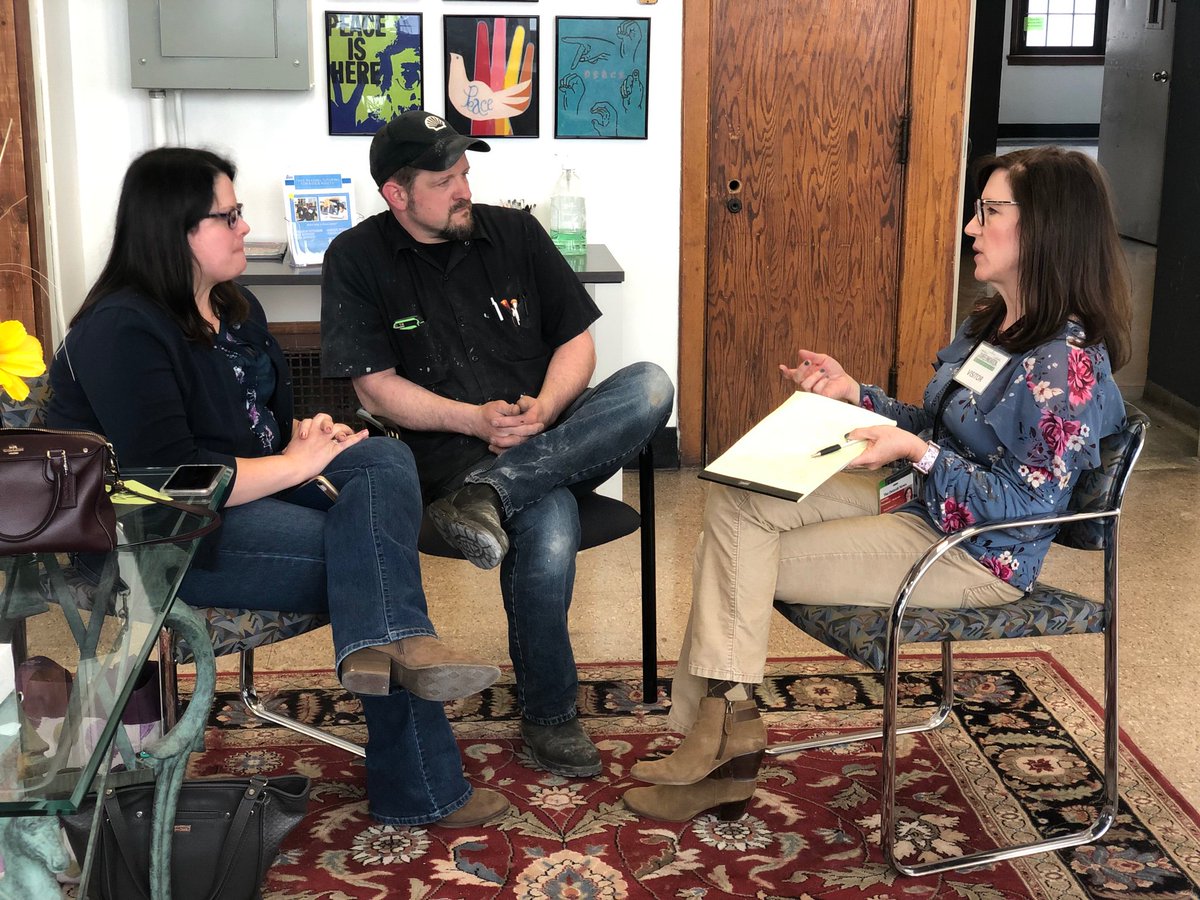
(172, 361)
(1015, 411)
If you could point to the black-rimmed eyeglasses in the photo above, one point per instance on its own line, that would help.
(231, 218)
(979, 205)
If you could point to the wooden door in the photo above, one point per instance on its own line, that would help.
(23, 282)
(807, 99)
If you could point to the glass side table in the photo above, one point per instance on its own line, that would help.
(97, 617)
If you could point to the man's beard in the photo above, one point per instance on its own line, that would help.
(459, 231)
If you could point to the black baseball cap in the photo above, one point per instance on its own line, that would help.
(419, 139)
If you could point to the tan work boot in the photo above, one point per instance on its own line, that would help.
(483, 806)
(727, 733)
(421, 664)
(680, 802)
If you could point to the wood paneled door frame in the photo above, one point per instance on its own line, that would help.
(929, 229)
(23, 284)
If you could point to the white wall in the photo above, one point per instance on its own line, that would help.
(1048, 95)
(97, 123)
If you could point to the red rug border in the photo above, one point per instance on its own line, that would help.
(1047, 656)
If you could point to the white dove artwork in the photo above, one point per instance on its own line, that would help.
(479, 101)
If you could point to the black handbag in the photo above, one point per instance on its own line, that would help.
(227, 833)
(55, 486)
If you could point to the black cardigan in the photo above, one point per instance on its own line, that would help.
(126, 371)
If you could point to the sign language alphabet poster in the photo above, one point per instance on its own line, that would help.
(602, 77)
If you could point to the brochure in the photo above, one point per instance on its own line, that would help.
(795, 449)
(318, 208)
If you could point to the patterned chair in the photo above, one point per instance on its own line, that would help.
(241, 631)
(873, 637)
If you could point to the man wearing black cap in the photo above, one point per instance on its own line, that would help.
(464, 324)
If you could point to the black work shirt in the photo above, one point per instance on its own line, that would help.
(476, 322)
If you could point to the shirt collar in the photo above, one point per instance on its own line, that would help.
(398, 238)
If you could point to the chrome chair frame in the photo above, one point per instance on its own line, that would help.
(891, 729)
(168, 683)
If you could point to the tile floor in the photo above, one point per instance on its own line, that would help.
(1160, 653)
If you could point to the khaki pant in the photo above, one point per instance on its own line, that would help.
(833, 547)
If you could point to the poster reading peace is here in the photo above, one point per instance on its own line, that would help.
(374, 69)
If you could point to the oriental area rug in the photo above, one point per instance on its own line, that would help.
(1019, 756)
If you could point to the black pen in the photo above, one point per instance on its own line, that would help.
(833, 448)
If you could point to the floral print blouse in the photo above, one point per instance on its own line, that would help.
(254, 373)
(1016, 449)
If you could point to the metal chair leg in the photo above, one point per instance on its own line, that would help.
(252, 703)
(1093, 832)
(649, 577)
(168, 679)
(945, 704)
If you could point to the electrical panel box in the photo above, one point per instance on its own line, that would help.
(261, 45)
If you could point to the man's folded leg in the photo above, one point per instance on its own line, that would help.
(606, 427)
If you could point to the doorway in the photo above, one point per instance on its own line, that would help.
(1082, 107)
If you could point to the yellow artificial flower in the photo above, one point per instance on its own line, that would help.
(20, 358)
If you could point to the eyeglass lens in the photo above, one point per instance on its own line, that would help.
(231, 218)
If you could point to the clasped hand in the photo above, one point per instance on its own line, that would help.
(503, 424)
(317, 440)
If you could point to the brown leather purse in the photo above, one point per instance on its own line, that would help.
(53, 491)
(54, 494)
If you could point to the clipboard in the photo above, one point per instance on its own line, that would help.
(775, 457)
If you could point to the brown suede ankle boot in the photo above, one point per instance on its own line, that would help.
(422, 664)
(680, 802)
(727, 732)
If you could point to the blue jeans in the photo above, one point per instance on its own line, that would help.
(603, 429)
(358, 563)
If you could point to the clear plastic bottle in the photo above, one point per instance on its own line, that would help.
(568, 214)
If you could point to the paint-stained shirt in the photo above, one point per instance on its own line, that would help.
(1016, 449)
(472, 320)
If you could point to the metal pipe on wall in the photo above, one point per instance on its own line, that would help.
(158, 118)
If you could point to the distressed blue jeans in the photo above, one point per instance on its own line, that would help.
(358, 564)
(537, 481)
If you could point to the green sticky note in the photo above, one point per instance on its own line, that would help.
(1035, 23)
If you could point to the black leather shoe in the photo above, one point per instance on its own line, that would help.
(564, 749)
(469, 519)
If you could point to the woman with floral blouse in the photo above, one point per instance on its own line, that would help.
(1015, 411)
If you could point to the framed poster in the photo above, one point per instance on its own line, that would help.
(375, 69)
(491, 75)
(602, 79)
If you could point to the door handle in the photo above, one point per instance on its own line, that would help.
(734, 205)
(1162, 77)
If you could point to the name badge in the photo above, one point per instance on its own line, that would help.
(981, 367)
(897, 489)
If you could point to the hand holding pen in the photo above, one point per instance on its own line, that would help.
(886, 444)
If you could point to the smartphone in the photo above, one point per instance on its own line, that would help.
(193, 480)
(316, 493)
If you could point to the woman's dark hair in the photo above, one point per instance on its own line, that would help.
(1071, 262)
(166, 193)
